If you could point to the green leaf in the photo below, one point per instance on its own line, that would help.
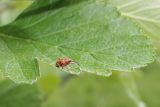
(93, 34)
(45, 5)
(10, 9)
(14, 95)
(50, 79)
(48, 83)
(145, 13)
(17, 60)
(90, 91)
(129, 83)
(149, 85)
(39, 5)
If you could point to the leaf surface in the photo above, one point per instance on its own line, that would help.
(14, 95)
(146, 13)
(91, 33)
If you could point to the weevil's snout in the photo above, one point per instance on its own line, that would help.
(57, 65)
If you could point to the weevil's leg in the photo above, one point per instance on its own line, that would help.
(72, 62)
(60, 67)
(68, 68)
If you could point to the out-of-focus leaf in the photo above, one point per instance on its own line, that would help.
(149, 85)
(41, 5)
(91, 33)
(49, 80)
(13, 95)
(10, 9)
(48, 5)
(90, 91)
(48, 83)
(145, 12)
(94, 91)
(129, 82)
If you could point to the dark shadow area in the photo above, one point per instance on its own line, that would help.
(66, 78)
(15, 31)
(52, 6)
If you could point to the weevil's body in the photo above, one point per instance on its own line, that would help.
(62, 62)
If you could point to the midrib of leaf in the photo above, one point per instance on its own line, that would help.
(143, 9)
(140, 18)
(128, 4)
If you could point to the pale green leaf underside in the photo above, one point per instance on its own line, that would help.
(93, 34)
(145, 12)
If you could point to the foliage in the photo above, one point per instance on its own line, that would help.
(100, 41)
(103, 37)
(14, 95)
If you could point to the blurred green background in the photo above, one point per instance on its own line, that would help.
(86, 90)
(59, 89)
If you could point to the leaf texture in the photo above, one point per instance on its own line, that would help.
(91, 33)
